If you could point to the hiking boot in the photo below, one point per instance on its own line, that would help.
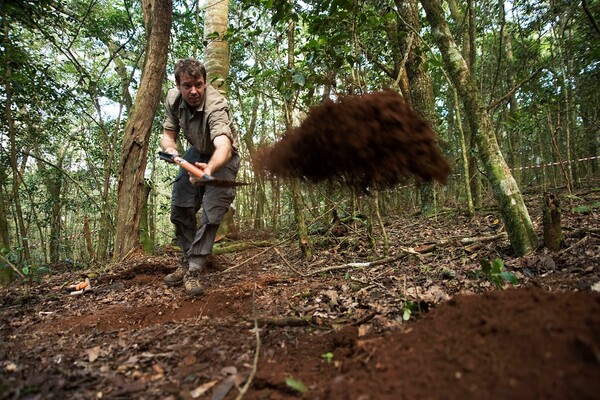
(176, 278)
(192, 284)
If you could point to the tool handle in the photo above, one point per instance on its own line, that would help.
(188, 166)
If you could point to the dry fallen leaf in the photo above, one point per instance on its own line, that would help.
(200, 390)
(11, 367)
(93, 353)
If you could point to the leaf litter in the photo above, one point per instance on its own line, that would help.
(426, 324)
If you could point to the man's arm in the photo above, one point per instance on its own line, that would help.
(221, 155)
(219, 158)
(168, 142)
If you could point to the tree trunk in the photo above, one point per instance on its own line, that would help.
(145, 236)
(216, 62)
(6, 274)
(216, 54)
(516, 218)
(4, 235)
(421, 87)
(157, 21)
(12, 135)
(299, 217)
(553, 236)
(87, 234)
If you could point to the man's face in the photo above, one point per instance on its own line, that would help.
(192, 89)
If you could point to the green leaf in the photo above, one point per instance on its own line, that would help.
(296, 385)
(328, 357)
(299, 79)
(509, 277)
(486, 267)
(434, 62)
(498, 266)
(406, 315)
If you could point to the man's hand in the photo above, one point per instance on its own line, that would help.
(198, 181)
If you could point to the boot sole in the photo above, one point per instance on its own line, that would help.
(173, 284)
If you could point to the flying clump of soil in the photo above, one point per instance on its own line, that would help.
(375, 140)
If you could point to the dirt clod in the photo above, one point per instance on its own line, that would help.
(373, 140)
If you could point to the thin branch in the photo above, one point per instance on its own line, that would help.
(290, 265)
(579, 243)
(405, 252)
(12, 266)
(256, 353)
(590, 16)
(513, 90)
(257, 255)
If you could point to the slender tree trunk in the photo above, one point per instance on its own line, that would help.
(6, 274)
(464, 153)
(53, 180)
(216, 54)
(421, 87)
(87, 234)
(157, 20)
(259, 198)
(4, 226)
(302, 229)
(22, 232)
(516, 218)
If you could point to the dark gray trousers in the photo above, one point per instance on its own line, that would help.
(188, 199)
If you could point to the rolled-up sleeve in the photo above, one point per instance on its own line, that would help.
(219, 123)
(171, 121)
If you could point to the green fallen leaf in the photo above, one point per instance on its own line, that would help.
(296, 385)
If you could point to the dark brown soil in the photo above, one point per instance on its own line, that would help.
(336, 334)
(373, 140)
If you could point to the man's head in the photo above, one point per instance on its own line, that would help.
(190, 77)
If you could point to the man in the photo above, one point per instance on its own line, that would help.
(203, 115)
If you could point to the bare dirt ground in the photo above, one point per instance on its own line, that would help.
(425, 323)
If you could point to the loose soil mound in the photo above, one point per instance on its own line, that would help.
(524, 344)
(373, 140)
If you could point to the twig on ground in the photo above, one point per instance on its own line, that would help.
(483, 239)
(246, 386)
(405, 251)
(364, 319)
(579, 243)
(290, 265)
(256, 255)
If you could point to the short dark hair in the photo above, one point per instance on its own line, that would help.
(191, 67)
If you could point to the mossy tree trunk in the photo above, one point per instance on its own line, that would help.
(519, 227)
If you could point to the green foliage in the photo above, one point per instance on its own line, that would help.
(409, 308)
(296, 384)
(327, 357)
(31, 272)
(587, 209)
(496, 273)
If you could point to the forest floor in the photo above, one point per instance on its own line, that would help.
(424, 323)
